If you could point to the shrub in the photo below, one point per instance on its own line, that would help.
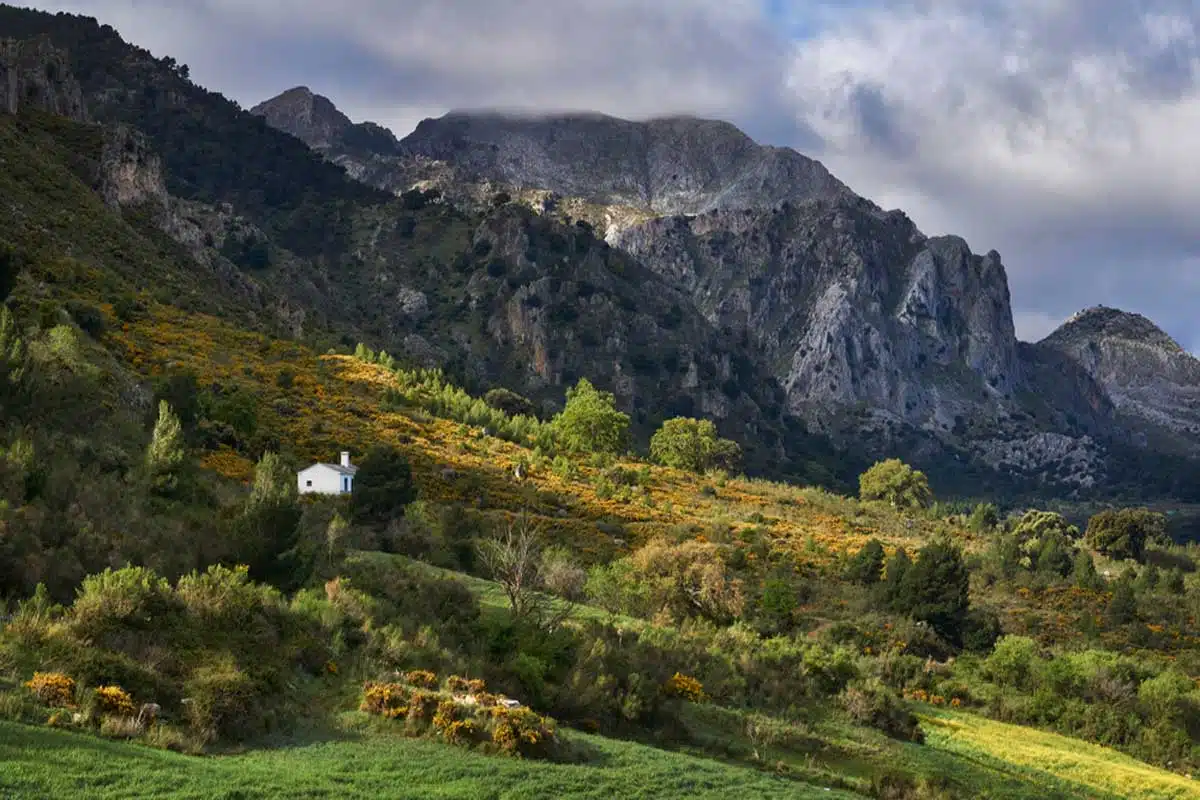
(461, 685)
(684, 686)
(389, 700)
(221, 701)
(454, 723)
(509, 402)
(935, 590)
(867, 565)
(383, 485)
(896, 483)
(113, 700)
(522, 732)
(122, 599)
(421, 678)
(1012, 661)
(52, 688)
(872, 703)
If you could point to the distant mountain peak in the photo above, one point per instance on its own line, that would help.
(316, 121)
(1104, 322)
(667, 165)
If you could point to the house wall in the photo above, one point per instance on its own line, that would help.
(324, 481)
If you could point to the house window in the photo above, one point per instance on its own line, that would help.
(345, 484)
(308, 483)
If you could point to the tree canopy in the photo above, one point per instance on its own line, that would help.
(897, 483)
(1124, 533)
(693, 444)
(590, 422)
(383, 485)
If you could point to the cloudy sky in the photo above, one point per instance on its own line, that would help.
(1061, 133)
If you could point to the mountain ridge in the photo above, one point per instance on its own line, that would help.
(874, 330)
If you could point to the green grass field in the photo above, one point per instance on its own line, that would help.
(1096, 771)
(47, 763)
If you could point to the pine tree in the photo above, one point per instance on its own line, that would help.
(166, 452)
(13, 361)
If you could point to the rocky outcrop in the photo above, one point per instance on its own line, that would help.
(36, 74)
(1149, 378)
(131, 173)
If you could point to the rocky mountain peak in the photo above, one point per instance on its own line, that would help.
(1102, 322)
(1146, 373)
(36, 74)
(316, 121)
(670, 165)
(311, 118)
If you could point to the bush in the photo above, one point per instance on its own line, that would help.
(52, 688)
(118, 600)
(509, 402)
(1012, 662)
(113, 700)
(386, 699)
(222, 702)
(867, 565)
(522, 732)
(871, 703)
(685, 687)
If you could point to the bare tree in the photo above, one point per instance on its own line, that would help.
(516, 559)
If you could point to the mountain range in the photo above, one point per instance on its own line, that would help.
(878, 335)
(674, 261)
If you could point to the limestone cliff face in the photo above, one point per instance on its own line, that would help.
(131, 173)
(675, 165)
(36, 74)
(1147, 375)
(848, 304)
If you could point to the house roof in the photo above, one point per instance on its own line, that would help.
(351, 470)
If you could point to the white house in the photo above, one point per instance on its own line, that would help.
(327, 478)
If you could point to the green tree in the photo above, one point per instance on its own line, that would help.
(935, 590)
(509, 402)
(1045, 542)
(693, 444)
(867, 565)
(383, 485)
(1124, 533)
(897, 483)
(590, 422)
(13, 359)
(1122, 608)
(1083, 571)
(267, 539)
(984, 517)
(894, 572)
(166, 453)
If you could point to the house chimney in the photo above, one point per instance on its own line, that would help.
(345, 458)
